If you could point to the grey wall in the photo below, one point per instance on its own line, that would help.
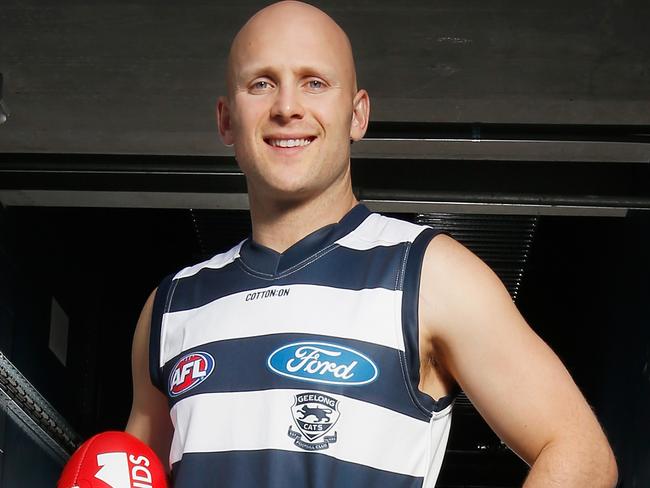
(142, 77)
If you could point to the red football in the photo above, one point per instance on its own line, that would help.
(113, 460)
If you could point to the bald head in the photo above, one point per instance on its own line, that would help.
(286, 25)
(293, 106)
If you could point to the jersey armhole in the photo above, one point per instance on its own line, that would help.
(159, 306)
(410, 322)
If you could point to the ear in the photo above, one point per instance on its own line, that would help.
(223, 121)
(360, 115)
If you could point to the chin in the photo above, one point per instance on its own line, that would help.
(290, 194)
(289, 181)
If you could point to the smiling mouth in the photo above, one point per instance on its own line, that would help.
(301, 142)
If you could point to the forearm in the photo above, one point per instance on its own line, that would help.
(568, 465)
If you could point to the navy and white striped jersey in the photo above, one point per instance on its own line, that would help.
(301, 368)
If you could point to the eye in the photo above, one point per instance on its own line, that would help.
(315, 85)
(260, 86)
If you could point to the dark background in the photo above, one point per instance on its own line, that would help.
(584, 291)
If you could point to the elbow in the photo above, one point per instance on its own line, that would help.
(611, 471)
(605, 466)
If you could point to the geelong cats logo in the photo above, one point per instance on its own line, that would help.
(314, 414)
(321, 362)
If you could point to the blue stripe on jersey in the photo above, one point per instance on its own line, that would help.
(270, 262)
(345, 268)
(280, 469)
(241, 365)
(162, 293)
(410, 322)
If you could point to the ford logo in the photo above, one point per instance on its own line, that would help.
(321, 362)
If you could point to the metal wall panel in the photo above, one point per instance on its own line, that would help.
(142, 77)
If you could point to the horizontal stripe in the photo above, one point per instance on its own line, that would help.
(281, 469)
(378, 230)
(241, 365)
(367, 315)
(216, 262)
(366, 434)
(339, 268)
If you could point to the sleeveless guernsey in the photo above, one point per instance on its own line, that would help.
(301, 369)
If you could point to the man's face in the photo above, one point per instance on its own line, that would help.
(291, 107)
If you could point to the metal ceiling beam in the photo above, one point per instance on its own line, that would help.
(477, 132)
(391, 185)
(239, 201)
(507, 142)
(402, 206)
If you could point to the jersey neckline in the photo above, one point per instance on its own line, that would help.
(270, 262)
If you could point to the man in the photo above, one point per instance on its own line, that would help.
(282, 370)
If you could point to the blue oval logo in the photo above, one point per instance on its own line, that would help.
(321, 362)
(191, 370)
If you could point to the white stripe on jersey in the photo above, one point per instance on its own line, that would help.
(215, 262)
(220, 422)
(370, 315)
(378, 230)
(438, 437)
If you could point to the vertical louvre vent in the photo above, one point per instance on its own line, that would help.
(218, 230)
(502, 241)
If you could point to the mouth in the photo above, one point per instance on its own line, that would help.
(289, 143)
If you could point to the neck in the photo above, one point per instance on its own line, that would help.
(280, 224)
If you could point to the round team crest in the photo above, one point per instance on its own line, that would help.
(190, 371)
(314, 414)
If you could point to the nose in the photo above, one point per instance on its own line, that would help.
(287, 104)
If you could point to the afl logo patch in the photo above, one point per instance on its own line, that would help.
(322, 362)
(190, 371)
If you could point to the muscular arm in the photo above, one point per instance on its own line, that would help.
(514, 379)
(149, 420)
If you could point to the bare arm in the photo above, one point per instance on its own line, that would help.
(514, 379)
(149, 420)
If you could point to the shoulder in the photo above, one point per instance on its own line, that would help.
(447, 260)
(456, 287)
(215, 262)
(380, 230)
(444, 254)
(143, 325)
